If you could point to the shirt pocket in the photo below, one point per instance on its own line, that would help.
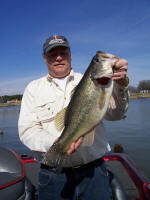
(47, 111)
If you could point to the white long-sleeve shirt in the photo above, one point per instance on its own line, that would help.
(43, 99)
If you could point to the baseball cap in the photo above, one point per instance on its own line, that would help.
(55, 41)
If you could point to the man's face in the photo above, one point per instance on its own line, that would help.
(58, 61)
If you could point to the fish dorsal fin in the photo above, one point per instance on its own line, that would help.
(72, 92)
(89, 138)
(60, 119)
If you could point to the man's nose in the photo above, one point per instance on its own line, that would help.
(58, 57)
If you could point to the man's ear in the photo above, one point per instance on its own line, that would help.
(45, 59)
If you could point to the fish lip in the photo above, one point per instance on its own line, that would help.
(103, 75)
(103, 56)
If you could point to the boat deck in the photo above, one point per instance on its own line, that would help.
(127, 183)
(113, 166)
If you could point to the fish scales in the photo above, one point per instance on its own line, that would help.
(81, 114)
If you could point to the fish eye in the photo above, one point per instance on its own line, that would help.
(96, 60)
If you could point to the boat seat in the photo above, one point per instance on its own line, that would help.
(13, 183)
(9, 162)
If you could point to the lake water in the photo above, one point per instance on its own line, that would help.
(133, 133)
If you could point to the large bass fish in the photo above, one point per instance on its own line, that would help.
(86, 109)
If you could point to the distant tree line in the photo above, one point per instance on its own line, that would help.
(143, 86)
(4, 99)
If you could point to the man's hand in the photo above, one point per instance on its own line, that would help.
(120, 70)
(73, 147)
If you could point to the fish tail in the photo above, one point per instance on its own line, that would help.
(55, 158)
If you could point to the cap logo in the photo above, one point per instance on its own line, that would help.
(56, 40)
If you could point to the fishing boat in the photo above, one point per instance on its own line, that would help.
(19, 177)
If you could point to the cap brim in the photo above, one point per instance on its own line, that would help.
(54, 46)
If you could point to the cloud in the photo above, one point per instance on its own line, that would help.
(142, 20)
(16, 86)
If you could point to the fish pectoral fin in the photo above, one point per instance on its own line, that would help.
(89, 138)
(54, 158)
(112, 103)
(60, 119)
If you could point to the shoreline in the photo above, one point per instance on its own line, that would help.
(132, 96)
(139, 95)
(10, 104)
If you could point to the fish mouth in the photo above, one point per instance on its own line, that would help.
(103, 80)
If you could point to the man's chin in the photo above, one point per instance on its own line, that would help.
(61, 74)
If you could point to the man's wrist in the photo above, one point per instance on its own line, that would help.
(123, 82)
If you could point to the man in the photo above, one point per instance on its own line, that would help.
(84, 175)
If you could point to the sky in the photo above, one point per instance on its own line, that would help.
(115, 26)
